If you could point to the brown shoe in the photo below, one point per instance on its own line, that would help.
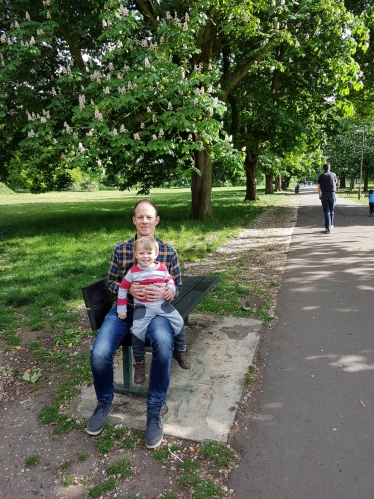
(139, 373)
(181, 358)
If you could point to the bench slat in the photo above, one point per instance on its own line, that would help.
(186, 303)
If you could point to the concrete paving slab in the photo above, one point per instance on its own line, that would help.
(202, 401)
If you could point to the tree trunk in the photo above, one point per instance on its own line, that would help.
(201, 187)
(250, 167)
(352, 183)
(278, 187)
(285, 182)
(269, 183)
(366, 182)
(342, 181)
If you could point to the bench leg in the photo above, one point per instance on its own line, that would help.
(127, 388)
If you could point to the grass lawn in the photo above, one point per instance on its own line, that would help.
(53, 244)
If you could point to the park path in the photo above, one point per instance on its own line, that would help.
(311, 433)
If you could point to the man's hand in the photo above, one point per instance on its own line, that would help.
(155, 292)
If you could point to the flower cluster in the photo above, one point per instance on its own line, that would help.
(82, 101)
(98, 115)
(123, 11)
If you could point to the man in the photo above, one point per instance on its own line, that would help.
(114, 330)
(326, 191)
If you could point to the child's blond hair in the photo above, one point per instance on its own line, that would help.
(148, 243)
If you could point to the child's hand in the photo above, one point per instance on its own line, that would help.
(122, 316)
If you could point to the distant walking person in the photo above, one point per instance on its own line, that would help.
(371, 201)
(326, 191)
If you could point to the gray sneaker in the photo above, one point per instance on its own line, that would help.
(154, 431)
(98, 418)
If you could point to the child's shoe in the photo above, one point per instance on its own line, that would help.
(139, 372)
(181, 358)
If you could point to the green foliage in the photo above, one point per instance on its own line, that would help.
(248, 377)
(32, 378)
(103, 487)
(219, 453)
(32, 460)
(117, 437)
(68, 480)
(123, 467)
(65, 465)
(128, 94)
(207, 490)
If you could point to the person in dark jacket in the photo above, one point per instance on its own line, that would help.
(327, 182)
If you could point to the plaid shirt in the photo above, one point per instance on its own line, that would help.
(123, 259)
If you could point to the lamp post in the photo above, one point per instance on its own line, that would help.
(362, 159)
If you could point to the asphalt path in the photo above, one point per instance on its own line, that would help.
(311, 434)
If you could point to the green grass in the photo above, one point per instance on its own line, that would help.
(101, 488)
(32, 460)
(53, 244)
(123, 467)
(219, 453)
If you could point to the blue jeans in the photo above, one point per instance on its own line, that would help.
(111, 335)
(328, 200)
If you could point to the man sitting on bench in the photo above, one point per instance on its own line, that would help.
(114, 330)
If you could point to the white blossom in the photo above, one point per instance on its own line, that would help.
(161, 133)
(154, 119)
(122, 90)
(106, 90)
(115, 131)
(142, 125)
(31, 133)
(123, 11)
(170, 106)
(48, 15)
(154, 137)
(147, 63)
(80, 147)
(98, 115)
(144, 43)
(110, 66)
(136, 136)
(82, 101)
(196, 101)
(27, 15)
(189, 138)
(149, 110)
(122, 129)
(104, 23)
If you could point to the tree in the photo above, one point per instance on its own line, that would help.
(140, 90)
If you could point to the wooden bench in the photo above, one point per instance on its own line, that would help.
(99, 300)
